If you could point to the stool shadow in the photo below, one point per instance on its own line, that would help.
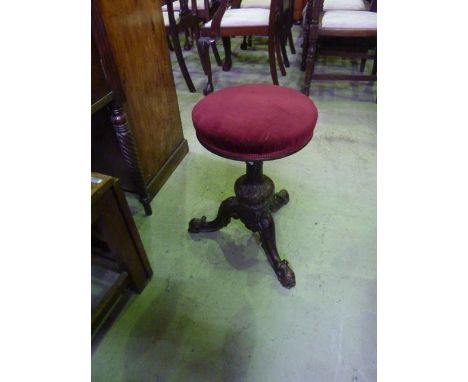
(239, 255)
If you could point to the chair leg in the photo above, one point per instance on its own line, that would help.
(271, 59)
(310, 65)
(278, 55)
(216, 53)
(243, 46)
(169, 43)
(363, 65)
(187, 45)
(305, 35)
(227, 54)
(203, 46)
(181, 61)
(283, 42)
(291, 41)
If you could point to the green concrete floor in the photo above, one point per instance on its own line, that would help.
(214, 310)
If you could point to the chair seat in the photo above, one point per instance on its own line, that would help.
(344, 5)
(254, 122)
(341, 5)
(348, 20)
(256, 4)
(244, 17)
(176, 5)
(166, 18)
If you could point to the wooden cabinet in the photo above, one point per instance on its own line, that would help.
(118, 258)
(136, 129)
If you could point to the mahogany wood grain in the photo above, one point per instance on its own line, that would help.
(136, 128)
(137, 36)
(99, 86)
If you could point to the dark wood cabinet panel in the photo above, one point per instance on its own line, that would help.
(131, 45)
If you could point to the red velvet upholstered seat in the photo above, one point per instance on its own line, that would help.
(255, 122)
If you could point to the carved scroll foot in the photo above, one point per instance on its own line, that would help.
(280, 199)
(227, 210)
(285, 275)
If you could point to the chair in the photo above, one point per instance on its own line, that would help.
(339, 33)
(202, 8)
(240, 22)
(253, 124)
(329, 5)
(202, 13)
(286, 24)
(182, 22)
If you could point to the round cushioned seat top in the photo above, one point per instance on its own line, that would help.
(255, 122)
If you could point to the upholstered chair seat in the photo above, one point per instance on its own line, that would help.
(176, 5)
(243, 17)
(256, 4)
(348, 5)
(341, 5)
(349, 20)
(342, 33)
(166, 18)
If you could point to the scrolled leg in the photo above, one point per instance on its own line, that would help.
(284, 273)
(227, 210)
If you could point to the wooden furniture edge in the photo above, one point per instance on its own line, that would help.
(158, 181)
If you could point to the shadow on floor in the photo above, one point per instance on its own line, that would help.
(168, 333)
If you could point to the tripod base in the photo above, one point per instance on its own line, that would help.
(253, 204)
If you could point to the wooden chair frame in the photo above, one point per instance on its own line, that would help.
(186, 21)
(208, 38)
(286, 30)
(354, 43)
